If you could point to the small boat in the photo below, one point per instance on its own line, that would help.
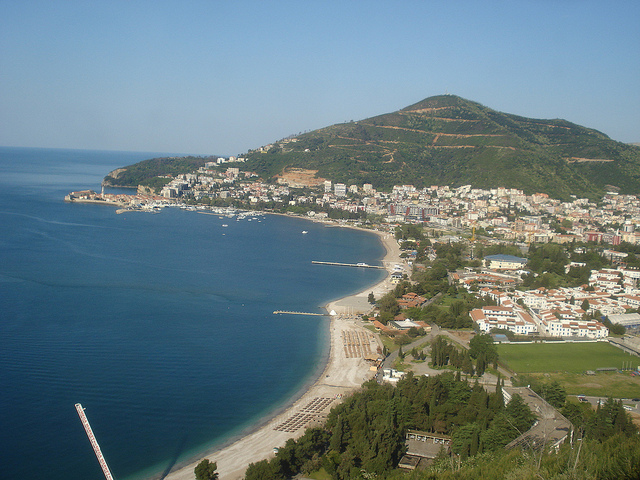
(225, 225)
(304, 232)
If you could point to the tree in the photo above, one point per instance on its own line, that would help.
(206, 470)
(554, 393)
(371, 298)
(482, 345)
(389, 304)
(464, 441)
(520, 415)
(262, 470)
(585, 305)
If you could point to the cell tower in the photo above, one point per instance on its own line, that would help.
(94, 442)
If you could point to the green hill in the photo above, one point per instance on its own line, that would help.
(151, 172)
(447, 140)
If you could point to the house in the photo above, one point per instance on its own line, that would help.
(410, 300)
(382, 327)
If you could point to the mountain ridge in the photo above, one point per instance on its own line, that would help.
(448, 140)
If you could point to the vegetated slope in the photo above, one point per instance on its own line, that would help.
(145, 172)
(447, 140)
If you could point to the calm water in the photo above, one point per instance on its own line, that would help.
(160, 325)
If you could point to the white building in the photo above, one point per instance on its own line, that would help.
(569, 325)
(504, 262)
(513, 319)
(340, 190)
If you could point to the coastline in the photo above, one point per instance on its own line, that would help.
(342, 374)
(358, 303)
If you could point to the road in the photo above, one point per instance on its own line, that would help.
(391, 358)
(633, 404)
(486, 379)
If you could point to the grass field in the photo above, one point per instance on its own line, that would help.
(563, 357)
(617, 385)
(567, 362)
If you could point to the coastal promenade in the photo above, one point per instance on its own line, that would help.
(345, 371)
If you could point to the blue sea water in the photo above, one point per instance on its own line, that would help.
(161, 325)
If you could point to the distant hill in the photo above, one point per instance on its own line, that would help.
(448, 140)
(147, 172)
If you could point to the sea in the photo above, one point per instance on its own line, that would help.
(160, 325)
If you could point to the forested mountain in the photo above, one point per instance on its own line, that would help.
(448, 140)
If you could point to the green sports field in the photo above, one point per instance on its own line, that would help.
(563, 357)
(567, 362)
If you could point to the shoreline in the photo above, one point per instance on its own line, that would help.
(340, 376)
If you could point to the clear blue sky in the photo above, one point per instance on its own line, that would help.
(221, 77)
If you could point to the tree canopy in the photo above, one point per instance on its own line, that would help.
(206, 470)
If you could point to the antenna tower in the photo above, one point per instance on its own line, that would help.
(94, 442)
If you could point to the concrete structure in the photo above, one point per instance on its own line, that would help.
(627, 320)
(549, 432)
(504, 262)
(423, 446)
(391, 375)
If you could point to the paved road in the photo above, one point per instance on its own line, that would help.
(388, 362)
(633, 404)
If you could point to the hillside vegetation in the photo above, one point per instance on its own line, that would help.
(447, 140)
(145, 172)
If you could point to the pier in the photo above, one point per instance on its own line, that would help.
(361, 265)
(287, 312)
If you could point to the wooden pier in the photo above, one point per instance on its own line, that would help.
(287, 312)
(361, 265)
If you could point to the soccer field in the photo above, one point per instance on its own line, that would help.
(564, 357)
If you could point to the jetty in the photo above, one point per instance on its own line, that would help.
(287, 312)
(360, 265)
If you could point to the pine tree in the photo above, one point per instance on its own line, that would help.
(206, 470)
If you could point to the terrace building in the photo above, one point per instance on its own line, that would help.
(510, 318)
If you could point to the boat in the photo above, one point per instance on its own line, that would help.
(304, 232)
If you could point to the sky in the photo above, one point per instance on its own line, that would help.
(223, 77)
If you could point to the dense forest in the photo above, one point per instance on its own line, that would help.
(364, 437)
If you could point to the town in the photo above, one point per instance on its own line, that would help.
(501, 213)
(496, 216)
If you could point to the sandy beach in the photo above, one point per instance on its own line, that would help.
(345, 371)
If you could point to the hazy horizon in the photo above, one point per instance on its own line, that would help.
(222, 78)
